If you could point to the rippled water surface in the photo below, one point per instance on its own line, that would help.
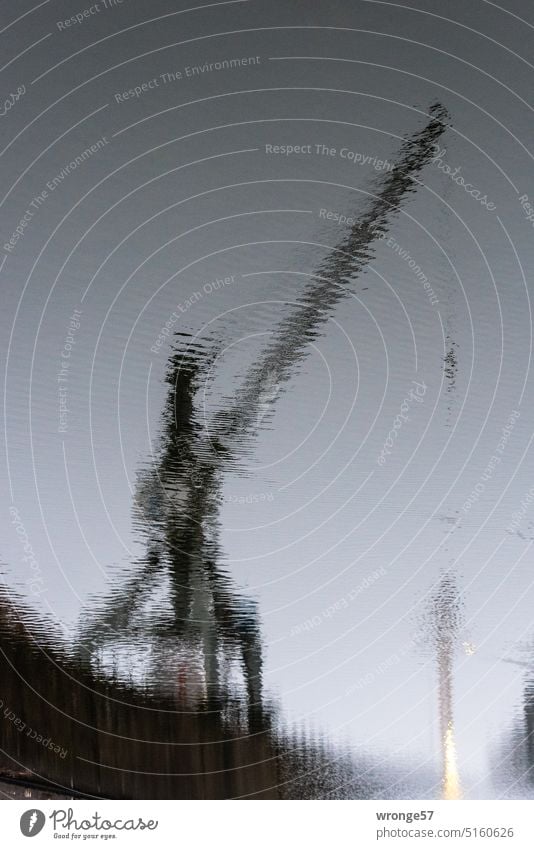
(266, 334)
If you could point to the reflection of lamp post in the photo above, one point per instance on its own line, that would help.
(451, 778)
(444, 622)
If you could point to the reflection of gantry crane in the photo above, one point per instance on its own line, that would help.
(175, 505)
(178, 497)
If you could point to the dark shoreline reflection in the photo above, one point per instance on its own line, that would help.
(162, 694)
(513, 753)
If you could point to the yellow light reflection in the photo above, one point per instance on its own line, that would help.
(451, 779)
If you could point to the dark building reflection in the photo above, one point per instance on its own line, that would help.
(513, 753)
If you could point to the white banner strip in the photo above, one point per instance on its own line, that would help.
(258, 824)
